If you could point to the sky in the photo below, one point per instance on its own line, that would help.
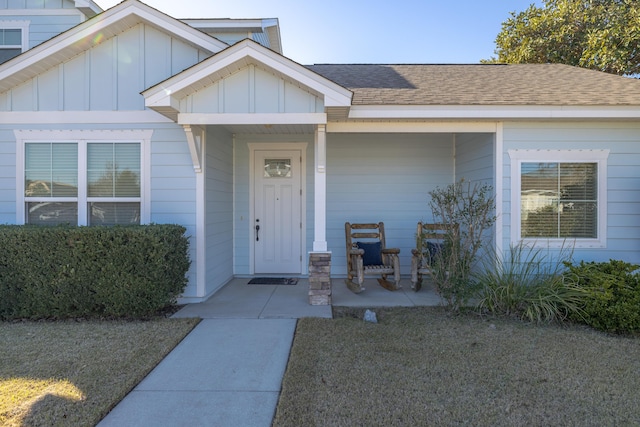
(367, 31)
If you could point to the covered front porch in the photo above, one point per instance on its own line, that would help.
(282, 161)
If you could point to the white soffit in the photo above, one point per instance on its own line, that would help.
(166, 95)
(102, 27)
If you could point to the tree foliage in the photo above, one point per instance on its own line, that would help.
(602, 35)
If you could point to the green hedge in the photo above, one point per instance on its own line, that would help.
(65, 271)
(613, 295)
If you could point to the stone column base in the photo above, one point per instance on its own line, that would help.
(319, 278)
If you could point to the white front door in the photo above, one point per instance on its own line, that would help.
(277, 212)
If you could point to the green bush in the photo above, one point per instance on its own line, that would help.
(613, 302)
(467, 209)
(528, 283)
(66, 271)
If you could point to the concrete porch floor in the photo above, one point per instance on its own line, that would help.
(237, 300)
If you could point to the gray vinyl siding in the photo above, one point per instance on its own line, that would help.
(623, 180)
(219, 208)
(107, 77)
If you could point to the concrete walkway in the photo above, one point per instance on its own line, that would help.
(228, 371)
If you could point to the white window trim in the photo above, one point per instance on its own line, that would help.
(17, 25)
(82, 137)
(559, 156)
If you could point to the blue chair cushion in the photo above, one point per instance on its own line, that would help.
(372, 252)
(433, 249)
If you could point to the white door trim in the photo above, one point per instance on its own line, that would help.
(302, 147)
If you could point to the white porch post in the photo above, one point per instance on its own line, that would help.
(320, 197)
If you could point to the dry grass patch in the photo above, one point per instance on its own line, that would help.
(422, 366)
(73, 373)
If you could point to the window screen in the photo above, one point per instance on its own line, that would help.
(559, 200)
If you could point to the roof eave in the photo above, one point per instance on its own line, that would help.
(493, 112)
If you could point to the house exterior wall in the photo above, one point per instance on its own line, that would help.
(219, 208)
(383, 177)
(107, 77)
(623, 180)
(7, 175)
(474, 157)
(43, 27)
(173, 188)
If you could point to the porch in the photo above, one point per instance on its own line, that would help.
(237, 299)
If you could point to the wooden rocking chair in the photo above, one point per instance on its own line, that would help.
(429, 241)
(367, 254)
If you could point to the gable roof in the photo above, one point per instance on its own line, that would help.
(482, 85)
(89, 33)
(165, 96)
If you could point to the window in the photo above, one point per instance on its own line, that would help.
(13, 39)
(559, 195)
(84, 182)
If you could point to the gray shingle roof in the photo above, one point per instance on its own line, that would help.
(481, 84)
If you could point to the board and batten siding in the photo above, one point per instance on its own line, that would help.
(219, 208)
(107, 77)
(251, 90)
(623, 180)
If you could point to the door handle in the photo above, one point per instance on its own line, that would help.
(257, 233)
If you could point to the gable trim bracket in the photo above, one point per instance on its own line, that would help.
(195, 140)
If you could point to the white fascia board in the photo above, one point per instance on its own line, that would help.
(225, 24)
(82, 117)
(106, 19)
(388, 112)
(412, 127)
(252, 119)
(334, 95)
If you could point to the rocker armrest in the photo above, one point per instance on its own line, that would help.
(415, 252)
(391, 251)
(356, 251)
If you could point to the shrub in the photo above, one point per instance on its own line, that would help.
(528, 283)
(613, 302)
(467, 209)
(66, 271)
